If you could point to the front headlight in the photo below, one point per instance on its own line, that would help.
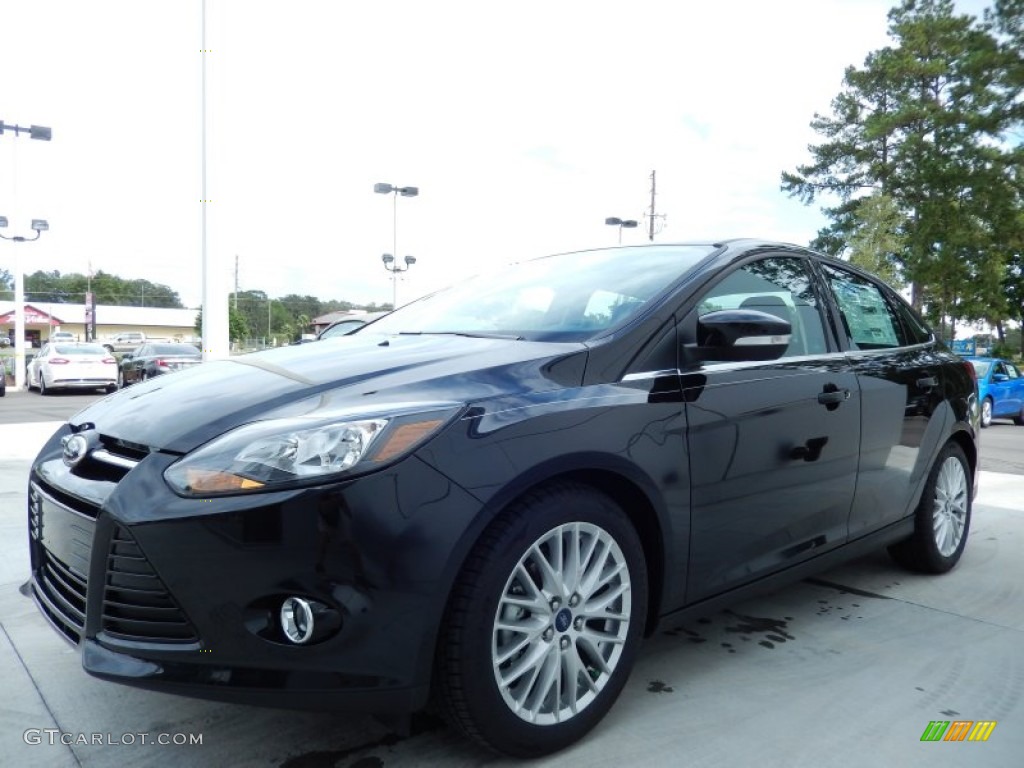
(267, 455)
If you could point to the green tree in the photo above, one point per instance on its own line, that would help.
(877, 238)
(54, 288)
(924, 122)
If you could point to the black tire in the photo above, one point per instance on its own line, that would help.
(42, 385)
(120, 379)
(986, 412)
(1019, 418)
(563, 644)
(942, 519)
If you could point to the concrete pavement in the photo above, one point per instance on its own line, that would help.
(847, 669)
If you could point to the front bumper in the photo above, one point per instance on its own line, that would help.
(183, 595)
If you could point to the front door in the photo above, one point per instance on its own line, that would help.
(772, 446)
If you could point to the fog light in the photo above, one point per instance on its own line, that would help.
(297, 620)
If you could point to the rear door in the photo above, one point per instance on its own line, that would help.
(772, 445)
(899, 373)
(1005, 388)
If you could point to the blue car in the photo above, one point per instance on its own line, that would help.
(1000, 389)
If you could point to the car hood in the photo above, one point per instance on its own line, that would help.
(363, 372)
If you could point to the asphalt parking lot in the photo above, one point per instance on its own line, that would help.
(847, 669)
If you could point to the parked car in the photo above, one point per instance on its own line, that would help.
(61, 336)
(126, 341)
(72, 365)
(491, 495)
(348, 325)
(1000, 389)
(151, 360)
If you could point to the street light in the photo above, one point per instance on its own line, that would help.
(40, 133)
(394, 269)
(388, 258)
(614, 221)
(39, 225)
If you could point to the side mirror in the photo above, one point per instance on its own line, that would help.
(738, 335)
(1000, 377)
(126, 356)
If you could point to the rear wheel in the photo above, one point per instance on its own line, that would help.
(942, 519)
(986, 412)
(42, 384)
(544, 622)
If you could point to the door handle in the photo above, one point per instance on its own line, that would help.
(928, 382)
(832, 396)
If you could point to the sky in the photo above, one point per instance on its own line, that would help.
(524, 125)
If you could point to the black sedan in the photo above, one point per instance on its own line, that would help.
(491, 495)
(151, 360)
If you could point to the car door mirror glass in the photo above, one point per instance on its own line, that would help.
(1000, 377)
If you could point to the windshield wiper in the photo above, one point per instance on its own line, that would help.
(467, 334)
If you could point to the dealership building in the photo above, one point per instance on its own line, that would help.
(43, 318)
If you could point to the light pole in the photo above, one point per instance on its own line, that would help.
(39, 226)
(40, 133)
(614, 221)
(389, 258)
(395, 270)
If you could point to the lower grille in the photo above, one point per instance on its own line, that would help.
(136, 604)
(61, 593)
(60, 538)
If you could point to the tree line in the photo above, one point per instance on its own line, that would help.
(42, 287)
(921, 163)
(253, 314)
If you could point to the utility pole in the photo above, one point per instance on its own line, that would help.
(236, 282)
(652, 215)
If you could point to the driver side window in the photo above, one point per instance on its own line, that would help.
(780, 286)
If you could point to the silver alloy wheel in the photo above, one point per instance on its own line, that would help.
(561, 623)
(950, 507)
(986, 412)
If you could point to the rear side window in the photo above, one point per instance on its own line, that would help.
(868, 318)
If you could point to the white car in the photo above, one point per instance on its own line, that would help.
(67, 365)
(61, 336)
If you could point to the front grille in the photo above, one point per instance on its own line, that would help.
(62, 594)
(136, 604)
(61, 540)
(61, 499)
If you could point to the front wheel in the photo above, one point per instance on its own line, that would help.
(986, 412)
(1019, 418)
(544, 622)
(943, 517)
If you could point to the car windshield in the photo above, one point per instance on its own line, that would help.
(179, 350)
(569, 297)
(80, 349)
(342, 328)
(980, 367)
